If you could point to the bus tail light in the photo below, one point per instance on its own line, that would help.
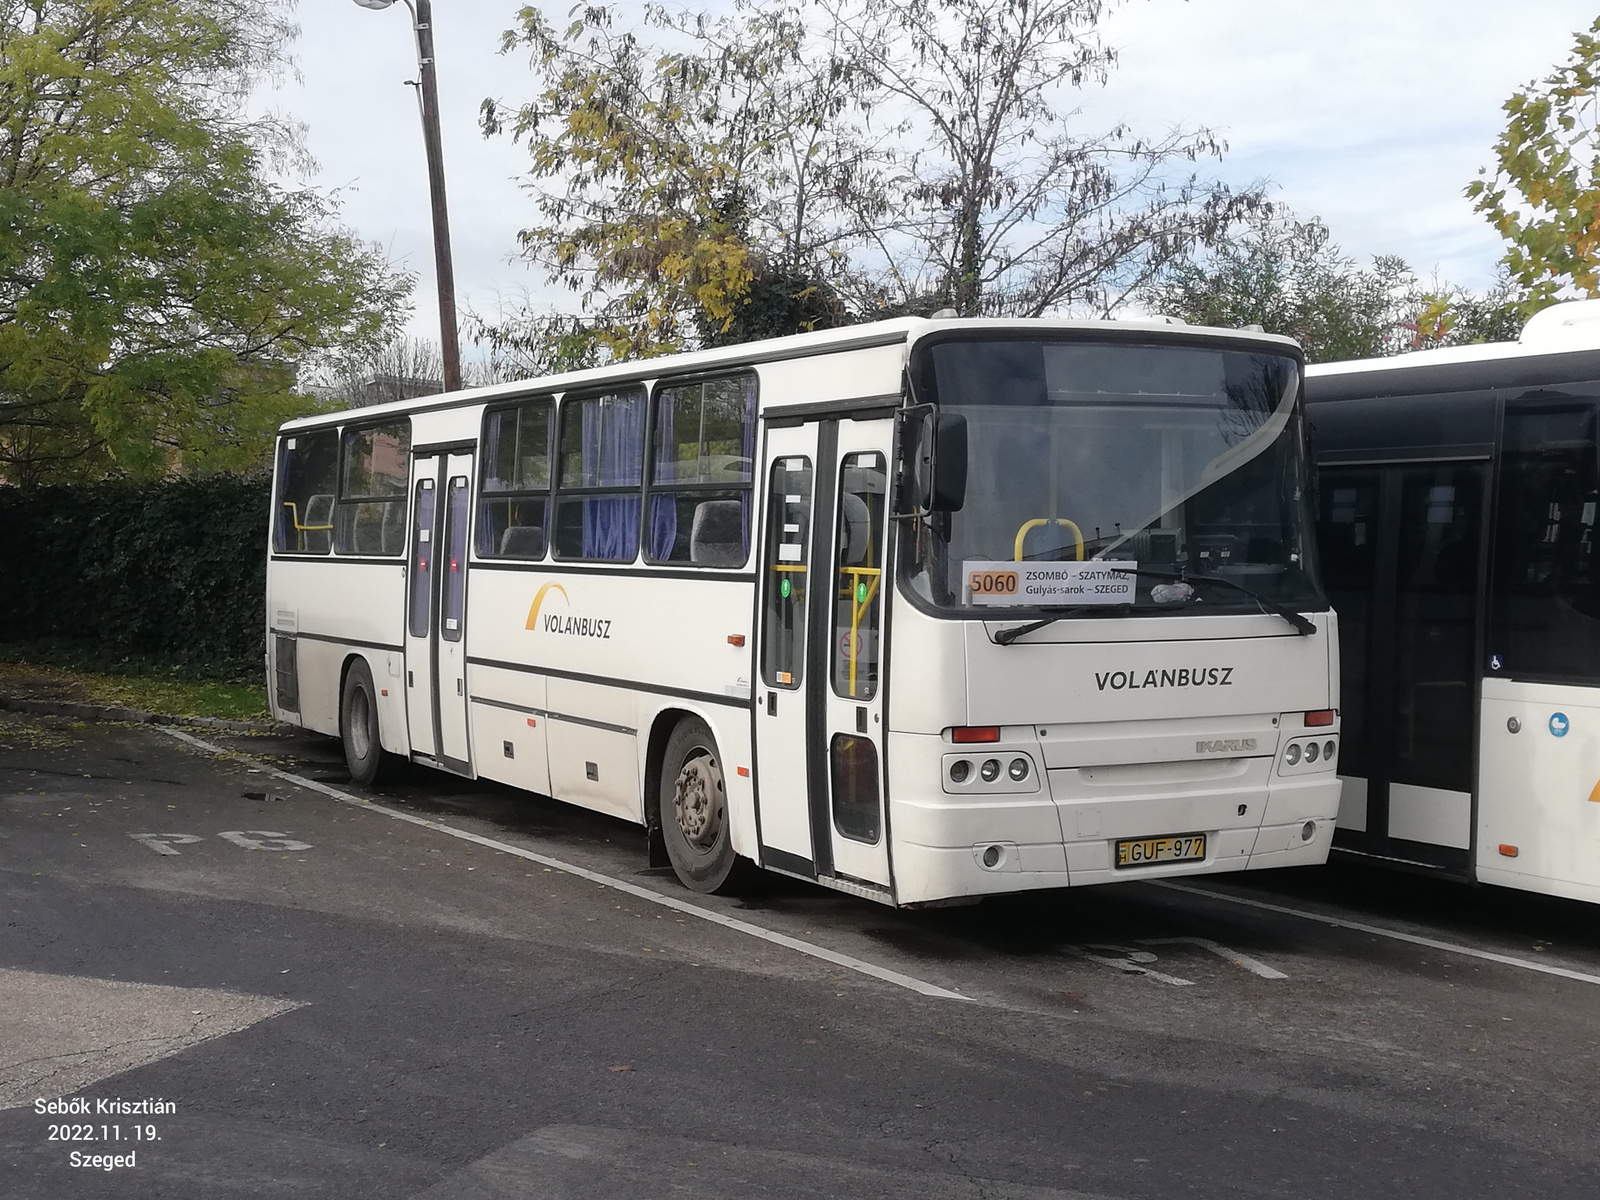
(1323, 716)
(976, 733)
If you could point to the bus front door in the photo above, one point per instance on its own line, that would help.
(819, 721)
(436, 611)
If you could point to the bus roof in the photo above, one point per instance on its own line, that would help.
(899, 330)
(1568, 328)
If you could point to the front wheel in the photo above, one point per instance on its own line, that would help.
(368, 761)
(694, 811)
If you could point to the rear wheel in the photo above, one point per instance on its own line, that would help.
(368, 761)
(694, 811)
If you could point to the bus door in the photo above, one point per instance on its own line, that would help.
(1403, 557)
(819, 725)
(436, 610)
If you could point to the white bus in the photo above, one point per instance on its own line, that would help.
(1457, 530)
(1066, 627)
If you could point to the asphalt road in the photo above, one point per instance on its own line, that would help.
(335, 998)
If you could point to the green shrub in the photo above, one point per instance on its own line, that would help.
(173, 571)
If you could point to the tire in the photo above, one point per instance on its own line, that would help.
(694, 811)
(368, 761)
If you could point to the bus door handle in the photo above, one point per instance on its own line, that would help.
(772, 704)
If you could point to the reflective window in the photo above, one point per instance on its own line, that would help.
(1545, 616)
(307, 473)
(455, 560)
(787, 556)
(371, 514)
(1347, 537)
(853, 763)
(514, 499)
(421, 560)
(858, 575)
(601, 469)
(702, 442)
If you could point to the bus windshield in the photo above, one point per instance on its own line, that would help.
(1185, 460)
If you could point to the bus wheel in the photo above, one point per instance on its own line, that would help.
(369, 762)
(694, 809)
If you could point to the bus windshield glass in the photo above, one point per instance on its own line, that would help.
(1185, 461)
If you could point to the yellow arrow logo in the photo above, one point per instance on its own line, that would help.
(538, 599)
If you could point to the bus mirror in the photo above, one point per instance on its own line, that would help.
(940, 471)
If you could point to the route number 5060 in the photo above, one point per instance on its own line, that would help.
(993, 583)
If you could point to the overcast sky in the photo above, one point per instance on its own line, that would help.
(1372, 114)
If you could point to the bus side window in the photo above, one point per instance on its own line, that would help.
(514, 496)
(702, 441)
(455, 560)
(783, 623)
(858, 586)
(602, 466)
(371, 513)
(421, 559)
(307, 471)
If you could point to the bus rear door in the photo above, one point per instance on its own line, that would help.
(436, 610)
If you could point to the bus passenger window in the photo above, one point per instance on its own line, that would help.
(783, 619)
(454, 562)
(602, 466)
(858, 583)
(702, 442)
(371, 514)
(421, 560)
(307, 471)
(514, 495)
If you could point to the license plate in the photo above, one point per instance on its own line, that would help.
(1146, 852)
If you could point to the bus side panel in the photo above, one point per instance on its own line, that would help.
(313, 596)
(1539, 788)
(874, 371)
(509, 727)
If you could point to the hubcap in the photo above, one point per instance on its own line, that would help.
(360, 722)
(697, 802)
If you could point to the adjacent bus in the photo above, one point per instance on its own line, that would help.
(1458, 493)
(920, 610)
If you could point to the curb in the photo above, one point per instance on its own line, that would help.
(114, 712)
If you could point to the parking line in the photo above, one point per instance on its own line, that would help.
(555, 864)
(1504, 960)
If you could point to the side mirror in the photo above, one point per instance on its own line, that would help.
(939, 469)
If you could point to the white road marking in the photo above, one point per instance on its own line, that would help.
(262, 839)
(694, 910)
(1130, 964)
(164, 843)
(1254, 965)
(1505, 960)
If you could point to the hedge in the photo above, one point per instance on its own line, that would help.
(173, 570)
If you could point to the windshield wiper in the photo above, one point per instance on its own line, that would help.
(1302, 626)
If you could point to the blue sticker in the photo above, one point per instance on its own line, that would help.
(1495, 662)
(1559, 724)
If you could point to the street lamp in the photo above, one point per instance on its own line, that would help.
(422, 24)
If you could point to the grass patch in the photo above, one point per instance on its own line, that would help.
(167, 692)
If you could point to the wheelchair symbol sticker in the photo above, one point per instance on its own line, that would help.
(1559, 724)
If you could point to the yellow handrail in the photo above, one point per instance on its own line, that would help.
(1077, 534)
(302, 530)
(858, 609)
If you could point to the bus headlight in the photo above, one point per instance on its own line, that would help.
(1018, 770)
(1312, 750)
(1292, 754)
(959, 770)
(1327, 751)
(990, 771)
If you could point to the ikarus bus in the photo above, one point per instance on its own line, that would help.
(922, 610)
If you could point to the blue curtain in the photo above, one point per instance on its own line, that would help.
(664, 507)
(613, 456)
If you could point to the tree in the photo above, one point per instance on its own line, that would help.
(1004, 206)
(748, 173)
(1544, 196)
(670, 178)
(1288, 276)
(157, 289)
